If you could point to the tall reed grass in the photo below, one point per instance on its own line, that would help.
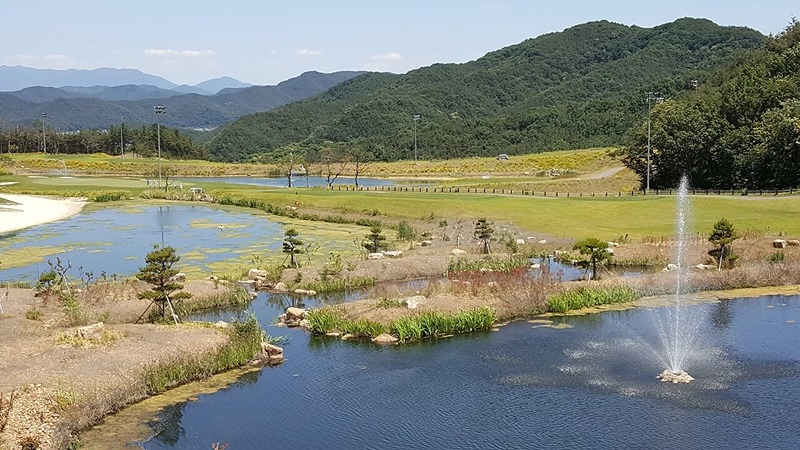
(588, 296)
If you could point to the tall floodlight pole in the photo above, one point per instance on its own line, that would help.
(416, 119)
(44, 135)
(159, 109)
(652, 97)
(121, 142)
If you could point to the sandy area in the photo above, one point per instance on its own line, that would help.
(30, 211)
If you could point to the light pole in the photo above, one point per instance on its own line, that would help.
(159, 109)
(652, 97)
(121, 142)
(44, 135)
(416, 119)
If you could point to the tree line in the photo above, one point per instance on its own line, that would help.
(741, 130)
(116, 140)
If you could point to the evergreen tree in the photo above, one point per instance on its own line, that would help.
(722, 236)
(292, 246)
(484, 233)
(597, 251)
(158, 271)
(375, 241)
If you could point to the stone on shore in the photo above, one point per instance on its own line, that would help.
(293, 313)
(280, 287)
(414, 301)
(255, 274)
(458, 252)
(385, 339)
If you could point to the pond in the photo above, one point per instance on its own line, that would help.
(589, 385)
(116, 239)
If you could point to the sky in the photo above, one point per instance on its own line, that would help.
(265, 42)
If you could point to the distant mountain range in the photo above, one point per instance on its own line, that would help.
(84, 102)
(14, 78)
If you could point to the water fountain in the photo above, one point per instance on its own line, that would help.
(677, 326)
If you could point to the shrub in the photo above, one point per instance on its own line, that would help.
(406, 232)
(34, 313)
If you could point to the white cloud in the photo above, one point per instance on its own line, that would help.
(386, 57)
(307, 52)
(179, 53)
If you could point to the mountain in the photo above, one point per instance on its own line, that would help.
(215, 85)
(99, 107)
(582, 87)
(13, 78)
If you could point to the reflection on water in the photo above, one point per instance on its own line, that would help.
(589, 386)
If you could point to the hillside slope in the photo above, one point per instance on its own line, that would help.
(582, 87)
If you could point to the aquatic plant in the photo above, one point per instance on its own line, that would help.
(588, 296)
(339, 284)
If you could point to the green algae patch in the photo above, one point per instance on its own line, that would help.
(130, 424)
(205, 223)
(21, 257)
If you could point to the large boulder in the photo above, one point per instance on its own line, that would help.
(458, 252)
(293, 313)
(393, 253)
(271, 354)
(385, 339)
(779, 243)
(89, 331)
(374, 256)
(255, 274)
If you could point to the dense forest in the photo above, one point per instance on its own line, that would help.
(142, 141)
(583, 87)
(740, 130)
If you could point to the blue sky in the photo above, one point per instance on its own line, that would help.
(264, 42)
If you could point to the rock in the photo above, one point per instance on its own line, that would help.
(610, 250)
(221, 324)
(426, 243)
(705, 267)
(280, 287)
(414, 301)
(271, 354)
(305, 324)
(779, 243)
(520, 241)
(675, 377)
(458, 251)
(536, 266)
(333, 334)
(384, 339)
(374, 256)
(670, 268)
(348, 336)
(492, 284)
(542, 241)
(793, 243)
(309, 292)
(179, 277)
(254, 274)
(393, 253)
(293, 313)
(89, 331)
(485, 270)
(612, 244)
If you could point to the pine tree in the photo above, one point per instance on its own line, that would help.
(375, 241)
(292, 246)
(484, 233)
(158, 272)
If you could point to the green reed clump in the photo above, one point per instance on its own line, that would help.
(362, 328)
(325, 320)
(245, 338)
(432, 324)
(588, 296)
(339, 284)
(232, 296)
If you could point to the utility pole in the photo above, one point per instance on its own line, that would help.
(44, 135)
(121, 142)
(159, 109)
(416, 119)
(652, 97)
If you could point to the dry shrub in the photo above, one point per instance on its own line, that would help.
(521, 292)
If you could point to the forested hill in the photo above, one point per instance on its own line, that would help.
(582, 87)
(739, 130)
